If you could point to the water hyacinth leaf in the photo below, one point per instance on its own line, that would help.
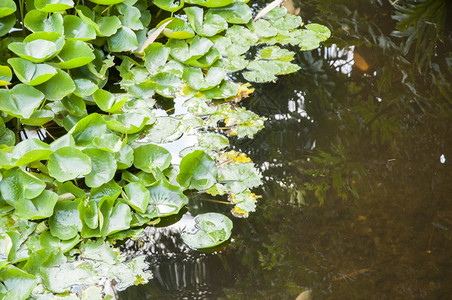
(57, 87)
(76, 29)
(137, 196)
(169, 5)
(164, 130)
(196, 80)
(165, 199)
(87, 129)
(53, 5)
(75, 54)
(209, 26)
(155, 57)
(7, 7)
(37, 208)
(68, 163)
(197, 171)
(245, 203)
(150, 157)
(65, 221)
(103, 165)
(20, 101)
(30, 150)
(109, 102)
(30, 73)
(211, 3)
(213, 229)
(16, 284)
(177, 29)
(39, 117)
(36, 20)
(123, 40)
(235, 13)
(130, 16)
(126, 123)
(124, 157)
(5, 75)
(237, 177)
(18, 184)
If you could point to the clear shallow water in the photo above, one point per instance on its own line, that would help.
(364, 128)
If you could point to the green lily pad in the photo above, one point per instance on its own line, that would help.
(164, 130)
(137, 196)
(211, 25)
(177, 29)
(53, 5)
(76, 29)
(47, 240)
(107, 2)
(155, 57)
(262, 28)
(84, 87)
(18, 184)
(57, 87)
(189, 50)
(169, 5)
(109, 102)
(235, 13)
(124, 39)
(151, 157)
(245, 203)
(124, 158)
(167, 84)
(30, 73)
(40, 207)
(68, 163)
(211, 3)
(75, 54)
(75, 105)
(5, 75)
(196, 80)
(213, 229)
(39, 117)
(104, 26)
(165, 199)
(130, 16)
(197, 171)
(109, 142)
(16, 284)
(65, 221)
(238, 177)
(103, 165)
(126, 123)
(6, 24)
(30, 150)
(263, 71)
(87, 129)
(7, 7)
(21, 101)
(36, 20)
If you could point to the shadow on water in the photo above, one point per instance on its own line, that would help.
(365, 130)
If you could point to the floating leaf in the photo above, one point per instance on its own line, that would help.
(6, 24)
(177, 29)
(263, 28)
(30, 73)
(165, 199)
(68, 163)
(57, 87)
(197, 171)
(167, 84)
(288, 22)
(75, 54)
(103, 166)
(123, 40)
(118, 220)
(130, 16)
(16, 284)
(124, 158)
(235, 13)
(104, 26)
(109, 102)
(53, 5)
(84, 87)
(21, 101)
(151, 157)
(245, 203)
(208, 26)
(75, 105)
(65, 221)
(18, 185)
(76, 29)
(87, 129)
(7, 7)
(109, 142)
(36, 20)
(30, 150)
(110, 189)
(107, 2)
(238, 177)
(263, 71)
(39, 117)
(136, 195)
(169, 5)
(211, 3)
(126, 123)
(267, 9)
(5, 75)
(321, 31)
(164, 130)
(155, 57)
(40, 207)
(196, 80)
(186, 51)
(213, 229)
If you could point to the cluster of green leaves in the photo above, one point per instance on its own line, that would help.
(108, 171)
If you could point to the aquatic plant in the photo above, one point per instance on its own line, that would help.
(84, 155)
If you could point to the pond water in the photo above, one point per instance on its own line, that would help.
(357, 164)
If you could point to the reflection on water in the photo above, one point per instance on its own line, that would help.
(365, 130)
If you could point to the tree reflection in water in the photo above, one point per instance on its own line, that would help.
(364, 129)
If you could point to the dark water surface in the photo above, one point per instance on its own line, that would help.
(365, 129)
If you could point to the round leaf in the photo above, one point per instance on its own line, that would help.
(197, 171)
(75, 54)
(30, 150)
(68, 163)
(21, 101)
(177, 29)
(57, 87)
(150, 157)
(37, 208)
(65, 222)
(76, 29)
(36, 20)
(109, 102)
(165, 199)
(211, 3)
(137, 195)
(127, 123)
(103, 167)
(7, 7)
(123, 40)
(18, 184)
(235, 13)
(30, 73)
(169, 5)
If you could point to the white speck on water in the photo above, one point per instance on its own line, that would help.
(442, 159)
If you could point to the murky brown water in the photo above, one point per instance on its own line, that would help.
(364, 128)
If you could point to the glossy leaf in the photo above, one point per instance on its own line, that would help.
(16, 284)
(7, 7)
(109, 102)
(65, 221)
(245, 203)
(76, 29)
(213, 229)
(197, 171)
(21, 101)
(84, 87)
(109, 142)
(5, 75)
(238, 177)
(196, 80)
(103, 167)
(124, 158)
(165, 199)
(6, 24)
(104, 26)
(57, 87)
(75, 54)
(36, 20)
(130, 16)
(151, 157)
(123, 40)
(75, 105)
(30, 73)
(40, 207)
(137, 196)
(107, 2)
(208, 26)
(18, 184)
(37, 50)
(39, 117)
(155, 57)
(211, 3)
(68, 163)
(164, 130)
(235, 13)
(177, 29)
(169, 5)
(53, 5)
(87, 129)
(30, 150)
(193, 49)
(126, 123)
